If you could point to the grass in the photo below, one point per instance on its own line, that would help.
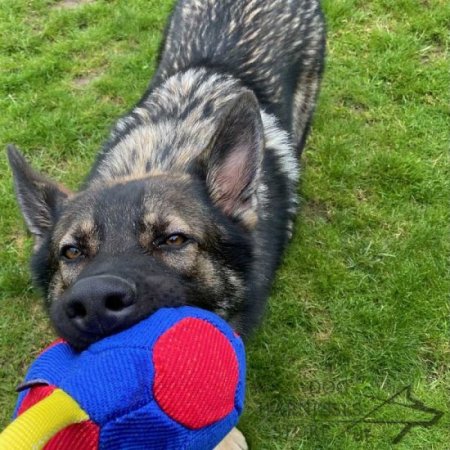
(360, 306)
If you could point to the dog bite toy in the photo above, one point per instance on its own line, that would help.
(173, 381)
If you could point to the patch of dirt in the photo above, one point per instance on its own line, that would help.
(315, 208)
(432, 53)
(361, 195)
(71, 4)
(86, 79)
(324, 335)
(19, 240)
(353, 104)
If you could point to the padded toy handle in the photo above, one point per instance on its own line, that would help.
(38, 424)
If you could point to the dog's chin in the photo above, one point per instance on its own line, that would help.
(79, 341)
(79, 345)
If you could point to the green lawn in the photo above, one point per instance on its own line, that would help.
(360, 307)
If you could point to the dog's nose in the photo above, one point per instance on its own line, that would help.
(100, 305)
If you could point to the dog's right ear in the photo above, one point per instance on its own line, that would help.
(39, 198)
(233, 159)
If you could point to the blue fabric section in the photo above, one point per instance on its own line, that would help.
(144, 334)
(111, 383)
(146, 428)
(52, 366)
(209, 437)
(19, 402)
(113, 380)
(240, 391)
(149, 428)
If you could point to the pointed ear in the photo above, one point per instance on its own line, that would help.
(234, 159)
(38, 197)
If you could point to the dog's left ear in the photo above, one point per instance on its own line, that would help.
(234, 157)
(39, 198)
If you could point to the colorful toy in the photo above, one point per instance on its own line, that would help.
(173, 381)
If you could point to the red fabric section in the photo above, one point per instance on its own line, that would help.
(79, 436)
(35, 395)
(196, 373)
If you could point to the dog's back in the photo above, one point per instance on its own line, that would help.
(274, 46)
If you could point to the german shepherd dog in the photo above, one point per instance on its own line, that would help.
(192, 198)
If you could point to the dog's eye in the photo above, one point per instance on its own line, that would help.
(71, 252)
(175, 240)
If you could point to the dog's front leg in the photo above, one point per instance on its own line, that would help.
(234, 440)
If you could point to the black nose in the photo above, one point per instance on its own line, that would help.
(100, 305)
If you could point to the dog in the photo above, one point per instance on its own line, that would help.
(192, 198)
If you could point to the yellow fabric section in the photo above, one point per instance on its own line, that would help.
(36, 426)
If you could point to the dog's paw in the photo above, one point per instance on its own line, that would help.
(234, 440)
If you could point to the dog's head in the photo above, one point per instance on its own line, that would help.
(110, 255)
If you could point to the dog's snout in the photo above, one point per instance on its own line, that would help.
(100, 305)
